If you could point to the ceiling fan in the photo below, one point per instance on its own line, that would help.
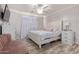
(40, 8)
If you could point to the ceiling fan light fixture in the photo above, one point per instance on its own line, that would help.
(39, 8)
(40, 11)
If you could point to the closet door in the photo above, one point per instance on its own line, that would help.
(28, 23)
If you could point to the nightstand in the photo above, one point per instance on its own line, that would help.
(67, 37)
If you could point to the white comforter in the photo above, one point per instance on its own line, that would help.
(43, 37)
(44, 34)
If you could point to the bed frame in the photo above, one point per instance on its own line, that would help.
(40, 40)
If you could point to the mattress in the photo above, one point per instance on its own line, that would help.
(44, 34)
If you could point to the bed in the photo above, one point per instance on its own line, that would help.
(42, 37)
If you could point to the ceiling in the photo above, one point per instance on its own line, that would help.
(31, 9)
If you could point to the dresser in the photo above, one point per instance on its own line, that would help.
(68, 37)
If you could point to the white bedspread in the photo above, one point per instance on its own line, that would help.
(44, 34)
(42, 37)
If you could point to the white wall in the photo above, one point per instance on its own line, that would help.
(70, 14)
(16, 18)
(15, 22)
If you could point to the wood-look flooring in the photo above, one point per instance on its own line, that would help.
(55, 47)
(26, 46)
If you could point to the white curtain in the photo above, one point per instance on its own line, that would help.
(28, 23)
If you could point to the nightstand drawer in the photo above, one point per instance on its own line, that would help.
(68, 37)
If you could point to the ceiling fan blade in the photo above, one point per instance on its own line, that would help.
(45, 6)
